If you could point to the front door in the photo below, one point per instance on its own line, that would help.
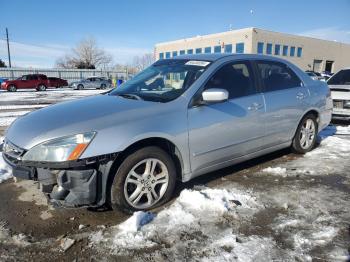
(223, 131)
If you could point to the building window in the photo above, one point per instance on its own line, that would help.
(277, 49)
(174, 53)
(207, 50)
(161, 55)
(285, 50)
(190, 51)
(182, 52)
(240, 48)
(260, 47)
(299, 52)
(217, 49)
(167, 55)
(228, 48)
(198, 50)
(269, 49)
(292, 50)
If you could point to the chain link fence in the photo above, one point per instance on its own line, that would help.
(68, 74)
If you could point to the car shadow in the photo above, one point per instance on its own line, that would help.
(231, 170)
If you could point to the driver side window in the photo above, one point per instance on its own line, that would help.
(235, 77)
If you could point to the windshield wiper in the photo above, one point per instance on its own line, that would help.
(130, 96)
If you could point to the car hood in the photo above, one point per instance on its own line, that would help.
(78, 116)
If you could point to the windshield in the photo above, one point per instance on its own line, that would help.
(340, 78)
(163, 81)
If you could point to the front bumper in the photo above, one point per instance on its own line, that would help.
(341, 114)
(69, 184)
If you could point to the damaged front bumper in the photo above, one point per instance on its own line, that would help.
(68, 184)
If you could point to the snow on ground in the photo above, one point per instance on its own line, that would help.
(330, 156)
(198, 225)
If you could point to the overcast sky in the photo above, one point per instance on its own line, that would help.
(41, 31)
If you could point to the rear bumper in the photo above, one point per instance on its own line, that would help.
(82, 185)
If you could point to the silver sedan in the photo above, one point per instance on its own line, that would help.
(176, 120)
(91, 82)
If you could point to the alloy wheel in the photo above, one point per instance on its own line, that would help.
(146, 183)
(307, 134)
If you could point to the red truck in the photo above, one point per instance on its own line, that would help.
(38, 81)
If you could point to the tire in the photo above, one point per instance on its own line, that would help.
(133, 196)
(103, 86)
(306, 135)
(41, 87)
(80, 87)
(11, 88)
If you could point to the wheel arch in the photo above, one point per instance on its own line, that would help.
(313, 111)
(163, 143)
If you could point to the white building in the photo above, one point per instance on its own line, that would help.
(306, 52)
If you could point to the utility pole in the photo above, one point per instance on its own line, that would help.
(8, 47)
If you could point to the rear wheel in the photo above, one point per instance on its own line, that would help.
(306, 135)
(103, 86)
(145, 179)
(41, 87)
(12, 88)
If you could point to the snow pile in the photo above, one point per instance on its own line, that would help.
(200, 222)
(331, 156)
(5, 170)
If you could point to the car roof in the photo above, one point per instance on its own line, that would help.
(215, 57)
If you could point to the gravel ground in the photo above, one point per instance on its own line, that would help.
(280, 207)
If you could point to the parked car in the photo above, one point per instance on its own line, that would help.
(37, 81)
(2, 80)
(91, 82)
(176, 120)
(57, 82)
(339, 84)
(326, 75)
(315, 75)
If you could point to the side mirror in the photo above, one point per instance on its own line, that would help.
(215, 95)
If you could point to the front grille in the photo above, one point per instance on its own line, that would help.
(338, 104)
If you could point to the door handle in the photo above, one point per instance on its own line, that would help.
(300, 95)
(255, 107)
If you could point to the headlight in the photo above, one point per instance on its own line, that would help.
(60, 149)
(346, 104)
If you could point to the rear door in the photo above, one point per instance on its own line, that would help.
(286, 99)
(227, 130)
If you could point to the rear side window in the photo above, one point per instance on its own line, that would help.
(236, 78)
(340, 78)
(277, 76)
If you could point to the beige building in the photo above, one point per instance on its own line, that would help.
(306, 52)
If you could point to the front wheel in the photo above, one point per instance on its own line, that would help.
(80, 87)
(306, 135)
(145, 179)
(41, 87)
(12, 88)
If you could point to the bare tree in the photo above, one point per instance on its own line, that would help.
(2, 63)
(141, 62)
(85, 55)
